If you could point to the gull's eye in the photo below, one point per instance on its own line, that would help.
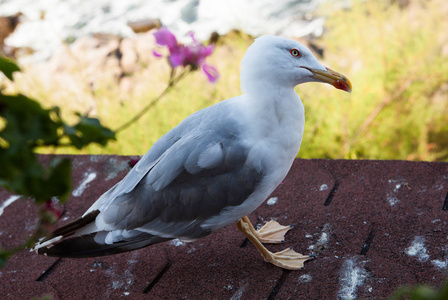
(294, 52)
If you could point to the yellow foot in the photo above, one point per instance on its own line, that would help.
(272, 232)
(287, 259)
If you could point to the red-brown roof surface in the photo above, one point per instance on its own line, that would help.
(373, 226)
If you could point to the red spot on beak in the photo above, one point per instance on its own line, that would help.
(341, 85)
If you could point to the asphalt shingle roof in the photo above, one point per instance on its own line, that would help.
(373, 226)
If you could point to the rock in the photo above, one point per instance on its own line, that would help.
(7, 26)
(47, 26)
(144, 46)
(129, 58)
(99, 57)
(98, 62)
(144, 25)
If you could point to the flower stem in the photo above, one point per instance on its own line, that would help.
(171, 83)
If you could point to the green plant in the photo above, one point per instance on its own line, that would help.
(25, 127)
(396, 61)
(395, 58)
(421, 292)
(114, 106)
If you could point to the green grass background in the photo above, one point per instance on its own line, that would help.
(396, 59)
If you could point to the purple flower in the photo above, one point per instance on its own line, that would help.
(164, 37)
(133, 162)
(52, 207)
(211, 72)
(193, 55)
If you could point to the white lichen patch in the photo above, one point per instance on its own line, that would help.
(394, 186)
(418, 249)
(352, 277)
(438, 187)
(120, 281)
(117, 284)
(113, 168)
(272, 201)
(8, 202)
(323, 240)
(304, 278)
(240, 291)
(88, 177)
(177, 243)
(323, 187)
(397, 187)
(392, 200)
(440, 264)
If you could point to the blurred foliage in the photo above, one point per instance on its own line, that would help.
(115, 105)
(26, 126)
(421, 292)
(397, 60)
(8, 67)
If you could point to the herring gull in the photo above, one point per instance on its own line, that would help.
(213, 169)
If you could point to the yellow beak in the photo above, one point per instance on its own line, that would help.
(334, 78)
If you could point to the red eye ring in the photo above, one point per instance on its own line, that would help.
(294, 52)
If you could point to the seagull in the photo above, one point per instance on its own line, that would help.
(213, 169)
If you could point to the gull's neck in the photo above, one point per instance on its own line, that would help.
(275, 105)
(276, 115)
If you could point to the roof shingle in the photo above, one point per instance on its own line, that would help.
(373, 226)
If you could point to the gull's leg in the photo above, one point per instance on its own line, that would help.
(272, 232)
(286, 259)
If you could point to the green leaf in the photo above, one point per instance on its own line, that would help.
(27, 122)
(58, 183)
(4, 256)
(27, 126)
(3, 259)
(8, 67)
(420, 292)
(24, 126)
(23, 174)
(19, 165)
(88, 130)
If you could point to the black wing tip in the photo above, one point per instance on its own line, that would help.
(76, 247)
(86, 246)
(70, 228)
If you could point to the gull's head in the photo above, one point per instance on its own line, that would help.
(277, 61)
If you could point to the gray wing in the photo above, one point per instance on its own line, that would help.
(202, 170)
(150, 159)
(135, 175)
(189, 177)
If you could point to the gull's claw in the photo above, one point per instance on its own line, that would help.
(287, 259)
(272, 232)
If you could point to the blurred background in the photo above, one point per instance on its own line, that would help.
(96, 57)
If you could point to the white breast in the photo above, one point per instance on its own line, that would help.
(274, 130)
